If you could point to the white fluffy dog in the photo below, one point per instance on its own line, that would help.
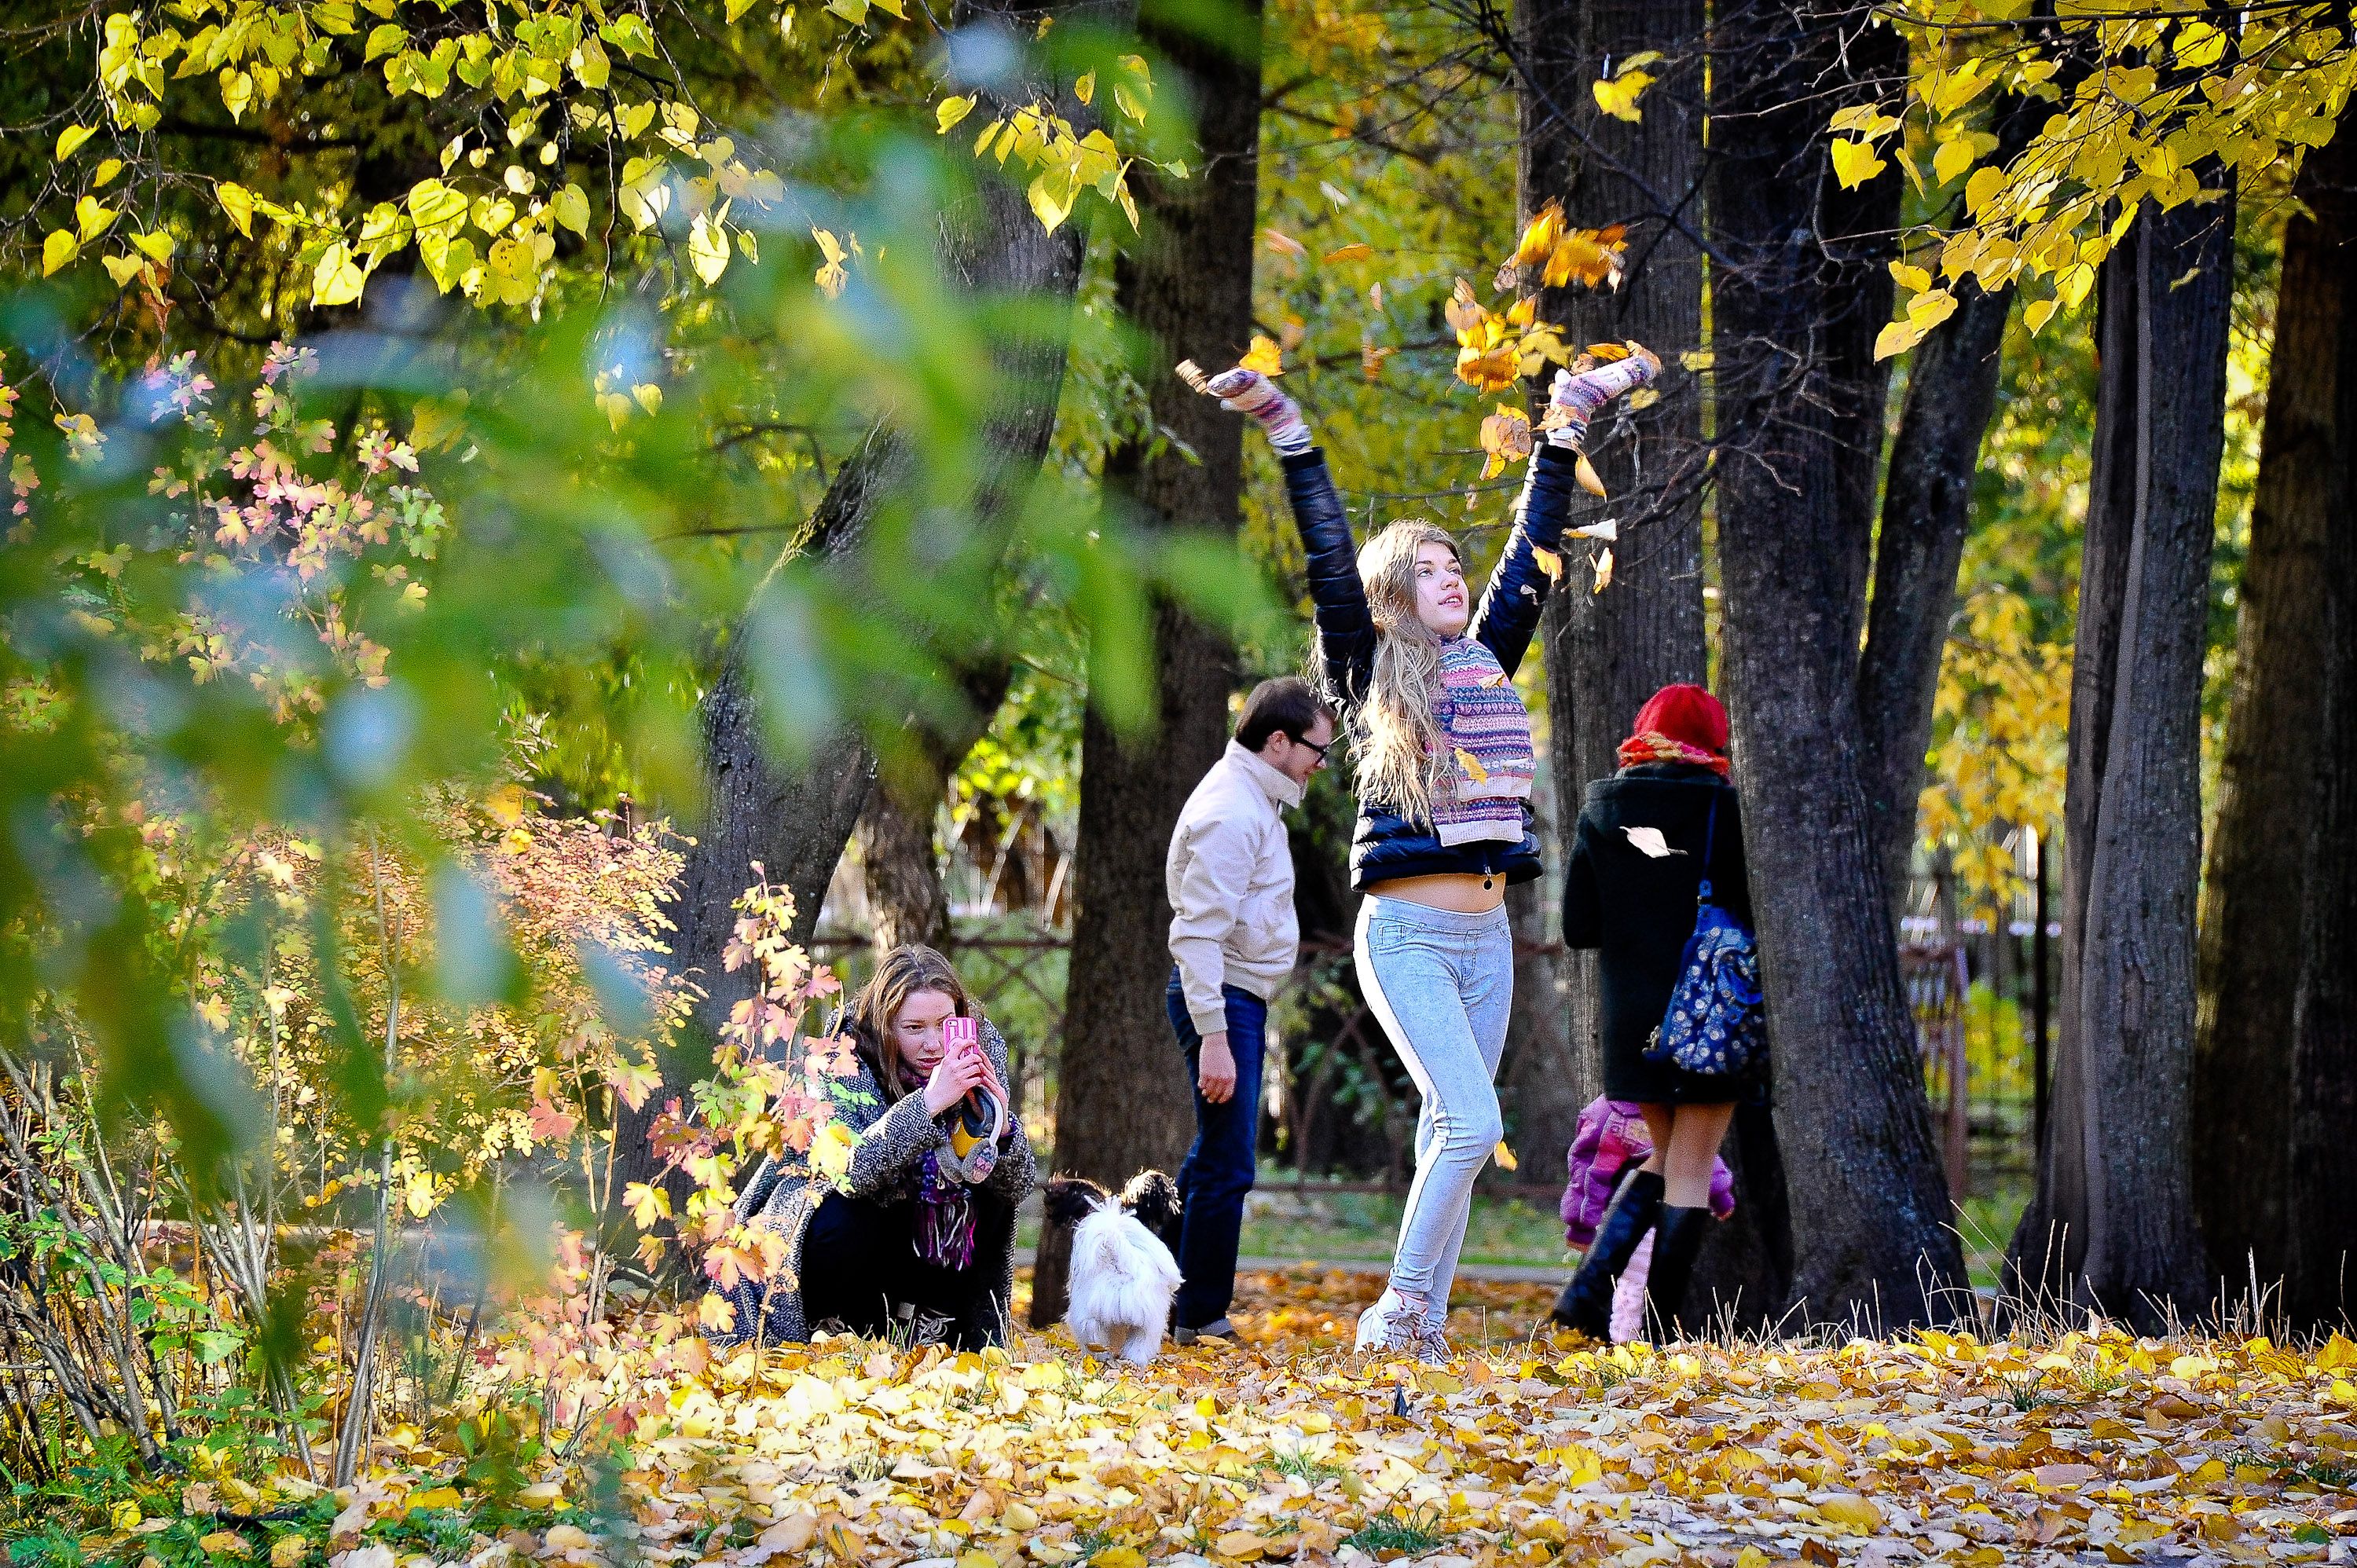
(1123, 1276)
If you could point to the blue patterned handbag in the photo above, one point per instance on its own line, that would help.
(1716, 1022)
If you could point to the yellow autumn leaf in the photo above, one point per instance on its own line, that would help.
(2038, 313)
(1952, 158)
(337, 279)
(1856, 161)
(238, 203)
(121, 269)
(58, 250)
(951, 111)
(1264, 355)
(1281, 243)
(1548, 561)
(1909, 277)
(1472, 766)
(1585, 472)
(1852, 1512)
(1505, 1157)
(1603, 565)
(71, 138)
(707, 249)
(93, 220)
(1047, 205)
(1618, 96)
(1897, 337)
(1356, 250)
(1085, 89)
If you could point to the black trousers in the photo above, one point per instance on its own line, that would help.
(859, 1259)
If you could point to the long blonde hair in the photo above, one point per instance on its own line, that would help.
(900, 974)
(1394, 738)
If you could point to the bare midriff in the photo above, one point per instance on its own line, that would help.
(1460, 892)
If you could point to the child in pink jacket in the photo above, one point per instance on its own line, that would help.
(1611, 1140)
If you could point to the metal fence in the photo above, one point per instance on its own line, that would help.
(1980, 989)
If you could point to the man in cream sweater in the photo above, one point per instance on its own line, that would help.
(1233, 940)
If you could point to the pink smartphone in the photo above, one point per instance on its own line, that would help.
(959, 1033)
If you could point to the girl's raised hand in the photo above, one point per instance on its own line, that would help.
(1576, 396)
(1251, 394)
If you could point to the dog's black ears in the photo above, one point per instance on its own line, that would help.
(1067, 1201)
(1152, 1197)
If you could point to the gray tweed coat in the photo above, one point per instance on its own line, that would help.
(886, 1163)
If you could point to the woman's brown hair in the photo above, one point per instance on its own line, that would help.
(900, 974)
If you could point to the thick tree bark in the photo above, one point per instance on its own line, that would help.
(1795, 317)
(900, 867)
(1926, 509)
(2264, 849)
(2113, 1223)
(1121, 1096)
(1606, 653)
(2324, 1016)
(906, 902)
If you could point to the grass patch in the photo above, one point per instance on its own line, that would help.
(1303, 1467)
(1418, 1531)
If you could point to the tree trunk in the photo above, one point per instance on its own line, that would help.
(1927, 499)
(2264, 845)
(1926, 510)
(1607, 653)
(1794, 320)
(906, 902)
(2113, 1223)
(1122, 1097)
(2324, 1016)
(795, 820)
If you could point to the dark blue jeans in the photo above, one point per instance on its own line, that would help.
(1219, 1168)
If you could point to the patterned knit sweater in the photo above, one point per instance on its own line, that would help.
(1487, 730)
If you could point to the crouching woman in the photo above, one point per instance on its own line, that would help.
(916, 1239)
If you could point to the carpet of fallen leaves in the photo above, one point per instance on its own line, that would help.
(2093, 1446)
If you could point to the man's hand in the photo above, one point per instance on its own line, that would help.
(1216, 1077)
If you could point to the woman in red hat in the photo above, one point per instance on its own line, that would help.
(1647, 837)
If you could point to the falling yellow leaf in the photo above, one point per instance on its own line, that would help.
(1356, 250)
(1472, 766)
(1602, 562)
(1505, 1157)
(1539, 238)
(1281, 243)
(1549, 562)
(1264, 355)
(1618, 96)
(1585, 472)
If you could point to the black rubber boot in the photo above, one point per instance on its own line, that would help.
(1677, 1240)
(1585, 1304)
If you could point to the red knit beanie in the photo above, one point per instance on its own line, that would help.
(1687, 714)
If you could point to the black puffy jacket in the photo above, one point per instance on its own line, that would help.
(1638, 910)
(1385, 845)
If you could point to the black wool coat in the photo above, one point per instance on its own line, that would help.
(1637, 910)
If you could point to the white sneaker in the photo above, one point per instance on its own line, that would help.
(1393, 1325)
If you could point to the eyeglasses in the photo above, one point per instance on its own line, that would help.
(1312, 745)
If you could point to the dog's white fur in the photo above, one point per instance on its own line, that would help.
(1123, 1279)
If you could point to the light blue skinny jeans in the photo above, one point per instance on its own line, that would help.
(1442, 983)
